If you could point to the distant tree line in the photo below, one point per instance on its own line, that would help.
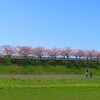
(7, 51)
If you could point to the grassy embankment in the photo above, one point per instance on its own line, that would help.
(49, 89)
(47, 67)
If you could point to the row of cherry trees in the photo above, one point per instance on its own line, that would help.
(41, 52)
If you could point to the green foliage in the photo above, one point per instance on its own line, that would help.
(5, 62)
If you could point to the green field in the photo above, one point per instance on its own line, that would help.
(49, 88)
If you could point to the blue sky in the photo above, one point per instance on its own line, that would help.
(50, 23)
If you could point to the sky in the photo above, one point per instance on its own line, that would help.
(50, 23)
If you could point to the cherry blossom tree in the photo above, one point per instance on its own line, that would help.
(66, 52)
(97, 55)
(24, 51)
(53, 52)
(74, 52)
(7, 50)
(38, 51)
(80, 53)
(1, 52)
(90, 54)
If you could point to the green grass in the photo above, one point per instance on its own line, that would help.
(48, 82)
(47, 67)
(61, 93)
(15, 69)
(49, 89)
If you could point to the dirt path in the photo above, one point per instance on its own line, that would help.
(43, 76)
